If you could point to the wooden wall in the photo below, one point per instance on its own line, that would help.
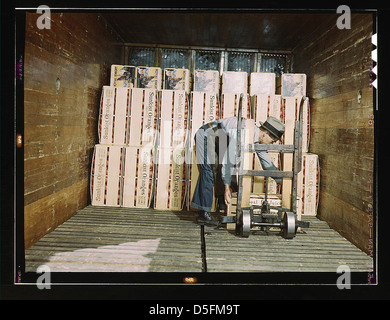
(337, 63)
(61, 125)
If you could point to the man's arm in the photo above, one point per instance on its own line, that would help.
(267, 164)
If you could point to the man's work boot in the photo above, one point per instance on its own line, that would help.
(206, 219)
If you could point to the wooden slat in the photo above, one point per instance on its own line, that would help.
(61, 125)
(317, 249)
(108, 239)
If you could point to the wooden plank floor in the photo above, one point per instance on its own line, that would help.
(108, 239)
(101, 239)
(314, 249)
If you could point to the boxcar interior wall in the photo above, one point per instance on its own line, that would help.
(67, 66)
(65, 69)
(337, 63)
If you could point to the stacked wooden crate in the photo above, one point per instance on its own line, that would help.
(122, 135)
(170, 171)
(122, 171)
(138, 173)
(143, 123)
(148, 119)
(293, 87)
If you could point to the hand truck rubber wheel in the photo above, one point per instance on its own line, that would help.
(243, 224)
(290, 227)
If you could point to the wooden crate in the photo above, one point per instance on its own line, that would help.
(127, 116)
(265, 105)
(138, 177)
(235, 82)
(123, 76)
(142, 124)
(149, 77)
(308, 188)
(290, 116)
(206, 81)
(170, 190)
(262, 83)
(114, 115)
(246, 157)
(173, 118)
(106, 177)
(122, 176)
(230, 103)
(290, 112)
(205, 108)
(177, 79)
(293, 84)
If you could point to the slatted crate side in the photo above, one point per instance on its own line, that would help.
(230, 103)
(264, 106)
(170, 178)
(138, 176)
(113, 115)
(173, 118)
(170, 188)
(142, 129)
(105, 180)
(296, 101)
(308, 188)
(204, 108)
(122, 176)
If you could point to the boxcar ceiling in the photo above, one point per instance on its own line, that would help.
(257, 30)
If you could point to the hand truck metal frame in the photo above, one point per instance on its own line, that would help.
(285, 219)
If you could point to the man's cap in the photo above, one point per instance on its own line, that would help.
(274, 126)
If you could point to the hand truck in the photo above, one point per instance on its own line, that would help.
(285, 219)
